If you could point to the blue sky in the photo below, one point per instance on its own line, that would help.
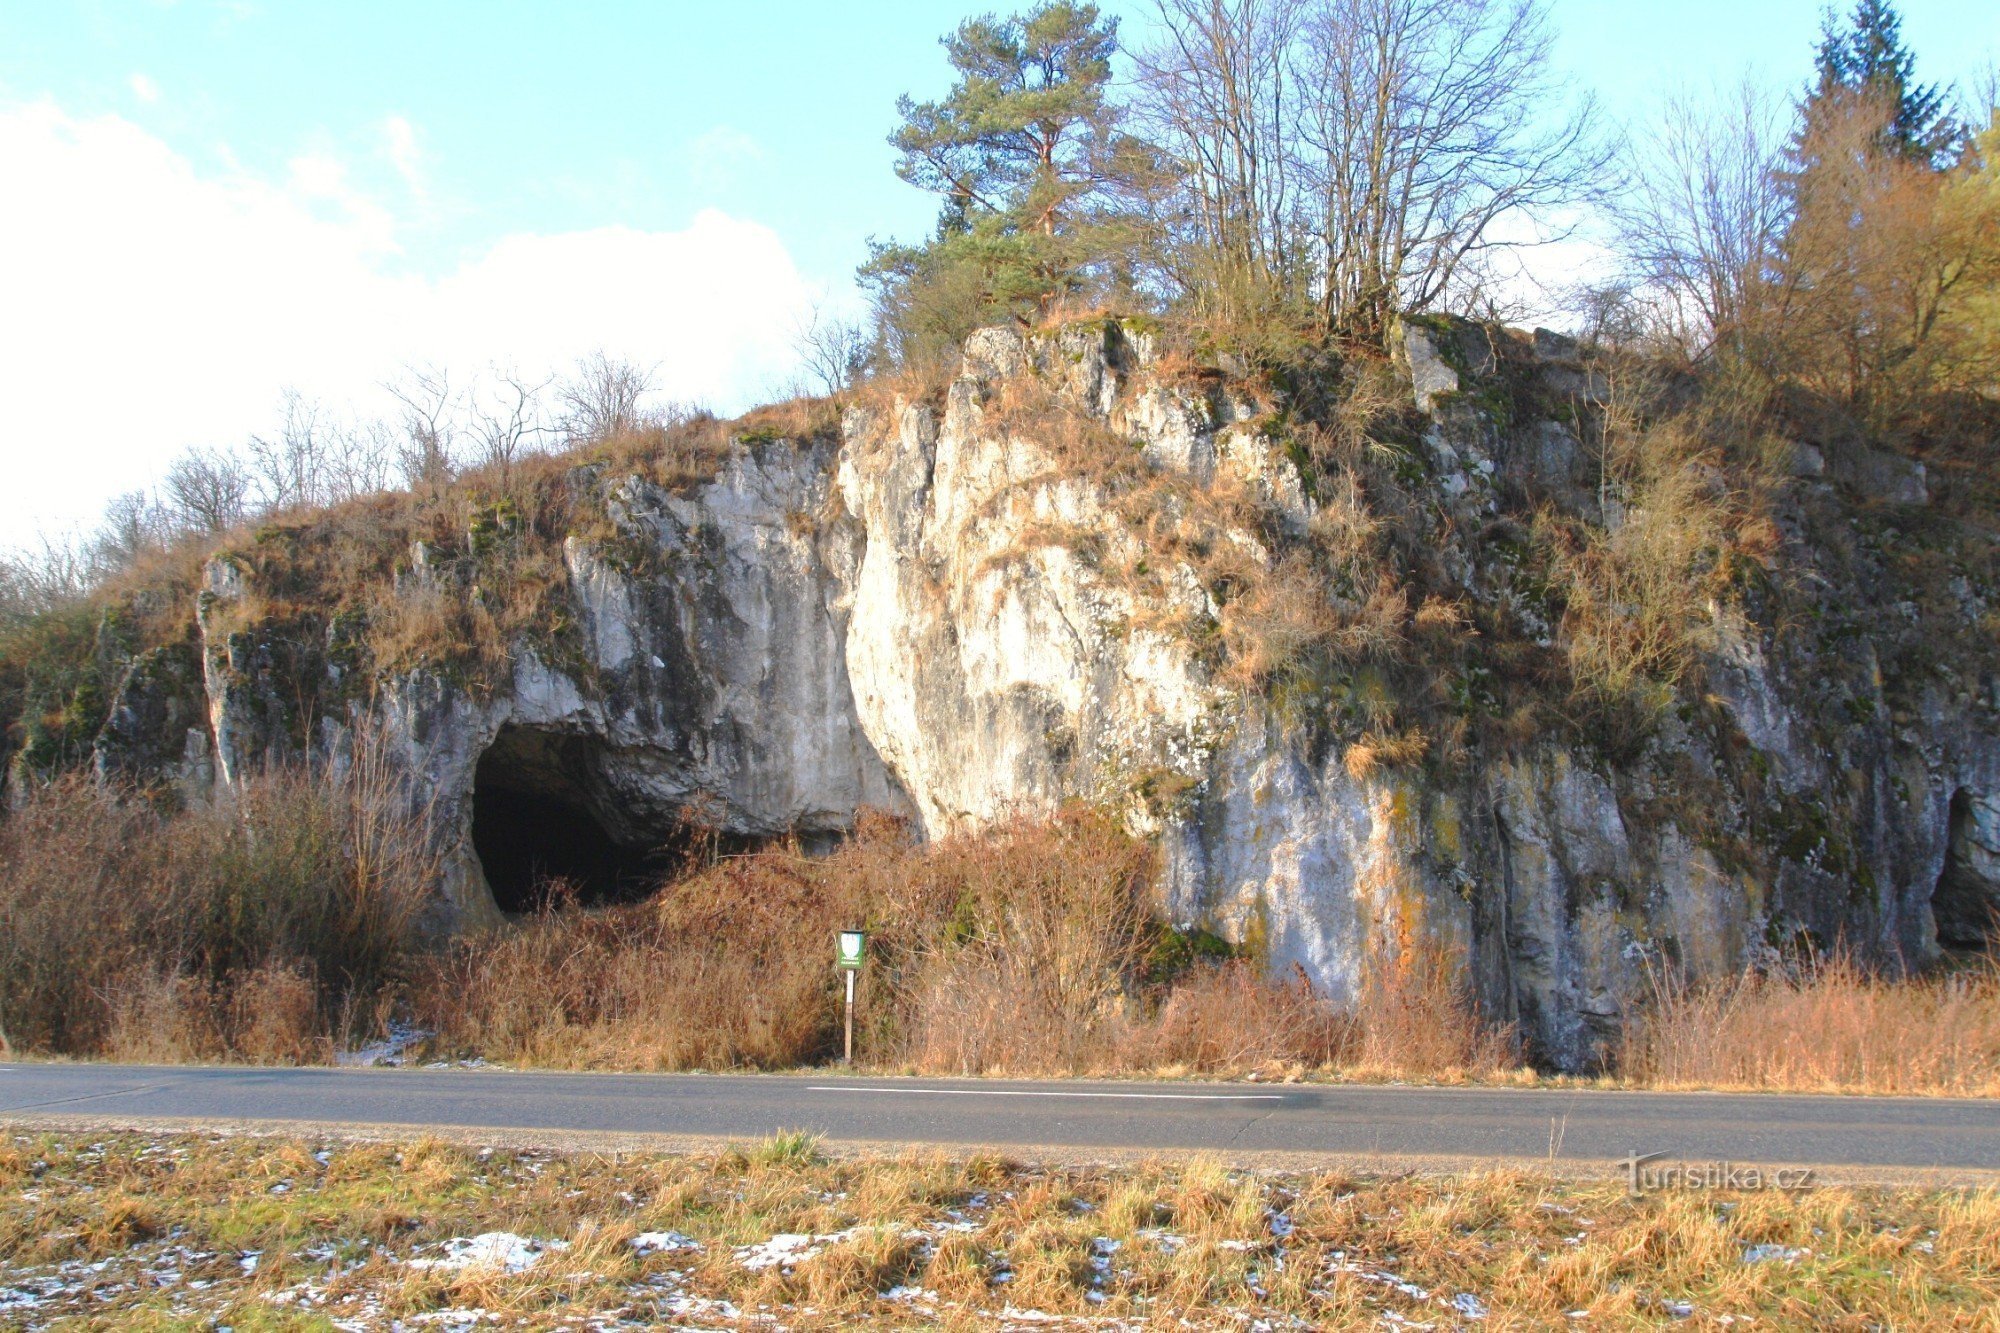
(232, 195)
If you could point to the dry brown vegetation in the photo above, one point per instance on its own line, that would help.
(1828, 1026)
(263, 927)
(1686, 498)
(1030, 949)
(281, 926)
(133, 1231)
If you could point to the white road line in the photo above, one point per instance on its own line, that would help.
(1114, 1096)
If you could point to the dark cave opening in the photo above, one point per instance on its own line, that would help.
(1966, 903)
(545, 821)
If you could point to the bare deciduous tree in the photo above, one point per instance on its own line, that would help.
(207, 490)
(603, 399)
(425, 450)
(1218, 94)
(834, 351)
(1361, 156)
(133, 527)
(31, 582)
(1704, 214)
(509, 424)
(291, 468)
(1430, 122)
(361, 459)
(314, 459)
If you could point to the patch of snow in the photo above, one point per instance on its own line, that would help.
(1760, 1254)
(32, 1293)
(1410, 1289)
(388, 1051)
(1469, 1306)
(456, 1320)
(494, 1249)
(788, 1249)
(664, 1242)
(686, 1306)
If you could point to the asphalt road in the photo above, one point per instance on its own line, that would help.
(1918, 1138)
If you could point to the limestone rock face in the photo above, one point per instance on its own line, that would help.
(952, 613)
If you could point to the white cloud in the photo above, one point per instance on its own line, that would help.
(150, 307)
(717, 158)
(322, 178)
(399, 143)
(144, 88)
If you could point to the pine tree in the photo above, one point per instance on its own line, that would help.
(1025, 151)
(1870, 60)
(1021, 133)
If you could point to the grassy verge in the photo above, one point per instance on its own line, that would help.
(136, 1231)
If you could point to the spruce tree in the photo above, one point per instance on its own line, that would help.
(1869, 59)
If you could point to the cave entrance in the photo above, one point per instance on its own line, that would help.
(1967, 901)
(543, 814)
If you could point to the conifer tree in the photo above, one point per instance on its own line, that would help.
(1024, 150)
(1870, 60)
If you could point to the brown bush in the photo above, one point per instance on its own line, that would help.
(1825, 1026)
(1416, 1017)
(242, 927)
(732, 966)
(1232, 1018)
(1027, 949)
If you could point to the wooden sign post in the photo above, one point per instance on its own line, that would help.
(853, 947)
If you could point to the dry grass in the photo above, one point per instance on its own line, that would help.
(284, 923)
(259, 927)
(1829, 1027)
(1687, 497)
(194, 1231)
(1028, 950)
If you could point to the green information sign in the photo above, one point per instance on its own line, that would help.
(852, 945)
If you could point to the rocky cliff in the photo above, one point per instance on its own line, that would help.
(1458, 654)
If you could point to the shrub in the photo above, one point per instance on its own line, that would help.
(732, 965)
(1824, 1026)
(243, 927)
(1031, 948)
